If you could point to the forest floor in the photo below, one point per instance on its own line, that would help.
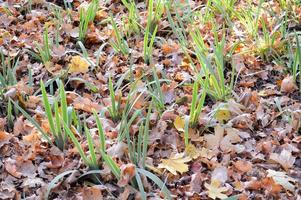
(150, 99)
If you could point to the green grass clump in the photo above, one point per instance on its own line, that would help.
(151, 29)
(44, 53)
(120, 44)
(57, 113)
(87, 16)
(131, 25)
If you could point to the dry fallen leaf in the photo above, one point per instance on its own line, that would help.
(179, 123)
(175, 164)
(285, 159)
(127, 173)
(288, 85)
(92, 193)
(222, 114)
(213, 141)
(220, 173)
(215, 191)
(282, 179)
(270, 186)
(4, 138)
(78, 65)
(192, 151)
(243, 166)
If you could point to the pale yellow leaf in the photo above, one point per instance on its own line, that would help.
(192, 151)
(282, 179)
(179, 123)
(78, 64)
(175, 164)
(215, 191)
(222, 114)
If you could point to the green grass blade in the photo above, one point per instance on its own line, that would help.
(157, 181)
(45, 135)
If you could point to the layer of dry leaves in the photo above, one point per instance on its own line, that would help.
(250, 147)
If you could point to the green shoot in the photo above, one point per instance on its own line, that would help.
(120, 45)
(114, 110)
(151, 29)
(90, 162)
(44, 53)
(132, 25)
(87, 16)
(197, 102)
(8, 72)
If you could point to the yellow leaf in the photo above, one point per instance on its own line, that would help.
(223, 114)
(179, 123)
(192, 151)
(215, 191)
(78, 64)
(175, 164)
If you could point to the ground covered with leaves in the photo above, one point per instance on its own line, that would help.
(150, 99)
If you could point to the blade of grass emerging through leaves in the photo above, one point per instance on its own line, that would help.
(44, 134)
(120, 45)
(48, 109)
(157, 181)
(111, 164)
(140, 186)
(298, 54)
(52, 184)
(196, 107)
(146, 135)
(77, 144)
(91, 148)
(113, 110)
(100, 133)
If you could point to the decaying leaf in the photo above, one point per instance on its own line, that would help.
(215, 190)
(177, 163)
(78, 65)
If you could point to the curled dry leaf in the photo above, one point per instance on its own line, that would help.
(213, 141)
(288, 85)
(243, 166)
(85, 104)
(11, 167)
(127, 173)
(78, 65)
(4, 138)
(92, 193)
(177, 163)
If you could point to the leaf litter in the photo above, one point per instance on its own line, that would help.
(244, 143)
